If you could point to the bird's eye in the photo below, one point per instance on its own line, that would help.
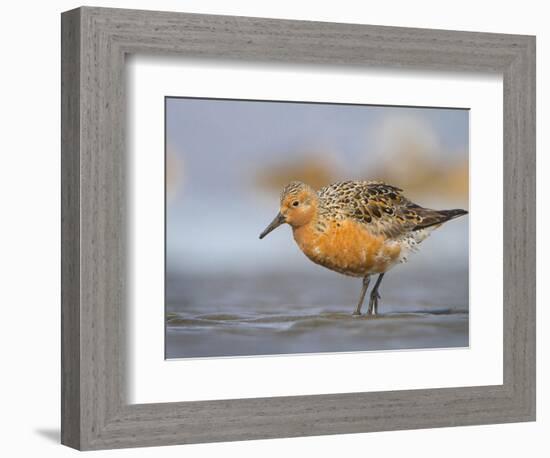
(295, 203)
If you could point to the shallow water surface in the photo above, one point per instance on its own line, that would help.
(244, 315)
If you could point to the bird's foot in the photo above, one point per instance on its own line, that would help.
(373, 304)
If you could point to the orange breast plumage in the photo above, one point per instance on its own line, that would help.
(347, 247)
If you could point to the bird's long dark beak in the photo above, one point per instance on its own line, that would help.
(277, 221)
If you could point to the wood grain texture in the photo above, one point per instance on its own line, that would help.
(70, 229)
(96, 413)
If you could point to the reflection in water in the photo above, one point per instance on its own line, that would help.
(302, 313)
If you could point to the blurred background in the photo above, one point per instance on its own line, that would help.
(228, 293)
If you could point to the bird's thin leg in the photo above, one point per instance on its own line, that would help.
(366, 281)
(374, 297)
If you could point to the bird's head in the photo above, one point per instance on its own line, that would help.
(298, 206)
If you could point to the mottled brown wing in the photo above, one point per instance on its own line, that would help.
(380, 206)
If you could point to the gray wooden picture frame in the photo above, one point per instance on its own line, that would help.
(95, 412)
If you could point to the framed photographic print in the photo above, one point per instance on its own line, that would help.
(280, 228)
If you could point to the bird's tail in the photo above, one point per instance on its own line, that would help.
(436, 217)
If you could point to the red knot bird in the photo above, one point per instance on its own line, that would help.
(357, 228)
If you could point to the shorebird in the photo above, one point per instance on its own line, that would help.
(357, 228)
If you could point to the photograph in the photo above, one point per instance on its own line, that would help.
(271, 229)
(299, 227)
